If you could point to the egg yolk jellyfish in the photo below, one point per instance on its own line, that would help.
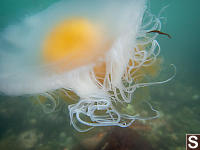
(96, 50)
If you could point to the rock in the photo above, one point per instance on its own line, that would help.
(29, 138)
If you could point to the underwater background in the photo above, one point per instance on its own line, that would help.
(25, 126)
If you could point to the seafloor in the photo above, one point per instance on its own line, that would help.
(24, 125)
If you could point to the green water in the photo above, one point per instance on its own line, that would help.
(24, 125)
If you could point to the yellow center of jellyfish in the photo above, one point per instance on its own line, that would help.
(73, 43)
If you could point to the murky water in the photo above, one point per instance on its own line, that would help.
(25, 126)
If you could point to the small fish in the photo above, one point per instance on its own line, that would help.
(159, 32)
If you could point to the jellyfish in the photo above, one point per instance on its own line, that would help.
(95, 49)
